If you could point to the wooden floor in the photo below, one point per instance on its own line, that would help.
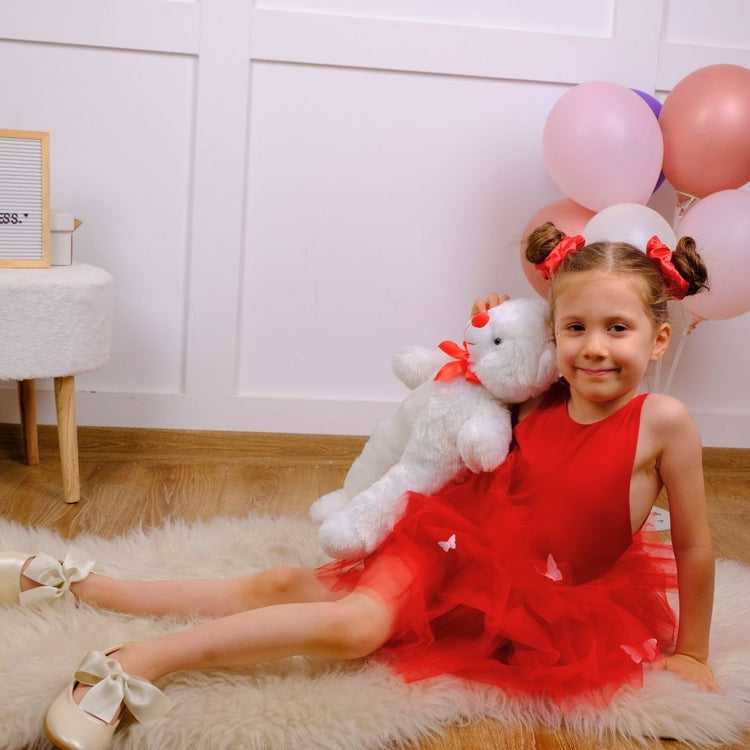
(144, 477)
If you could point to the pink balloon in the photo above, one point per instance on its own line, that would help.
(720, 226)
(705, 121)
(603, 145)
(566, 215)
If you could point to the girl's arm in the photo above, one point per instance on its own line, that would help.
(681, 469)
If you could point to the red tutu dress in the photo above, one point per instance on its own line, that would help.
(529, 577)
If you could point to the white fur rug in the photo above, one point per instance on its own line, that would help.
(310, 703)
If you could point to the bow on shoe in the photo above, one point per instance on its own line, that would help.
(112, 686)
(55, 577)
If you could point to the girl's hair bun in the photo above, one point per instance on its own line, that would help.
(542, 241)
(690, 265)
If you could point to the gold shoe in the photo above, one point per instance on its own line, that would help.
(54, 576)
(90, 724)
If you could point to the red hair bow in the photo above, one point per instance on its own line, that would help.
(560, 252)
(460, 367)
(661, 256)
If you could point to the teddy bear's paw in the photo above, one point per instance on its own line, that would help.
(482, 456)
(327, 504)
(340, 539)
(416, 364)
(484, 440)
(479, 462)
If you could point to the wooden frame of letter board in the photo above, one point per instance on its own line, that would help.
(24, 184)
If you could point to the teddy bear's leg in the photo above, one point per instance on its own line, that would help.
(362, 525)
(344, 535)
(380, 452)
(425, 466)
(327, 504)
(406, 452)
(428, 460)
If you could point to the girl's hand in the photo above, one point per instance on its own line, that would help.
(689, 669)
(485, 303)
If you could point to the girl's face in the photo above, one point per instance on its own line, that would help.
(605, 341)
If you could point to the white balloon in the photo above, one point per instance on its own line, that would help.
(629, 222)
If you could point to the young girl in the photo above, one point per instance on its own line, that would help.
(551, 587)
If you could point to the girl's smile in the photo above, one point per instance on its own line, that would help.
(595, 373)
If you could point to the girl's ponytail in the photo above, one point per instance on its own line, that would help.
(690, 265)
(542, 241)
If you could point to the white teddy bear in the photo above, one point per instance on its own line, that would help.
(460, 418)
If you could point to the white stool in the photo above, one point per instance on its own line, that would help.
(54, 323)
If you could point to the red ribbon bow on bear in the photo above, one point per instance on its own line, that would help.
(460, 366)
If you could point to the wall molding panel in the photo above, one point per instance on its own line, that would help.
(421, 47)
(148, 25)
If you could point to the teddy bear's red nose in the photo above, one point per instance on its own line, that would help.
(480, 320)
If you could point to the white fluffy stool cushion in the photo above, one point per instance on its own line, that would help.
(54, 322)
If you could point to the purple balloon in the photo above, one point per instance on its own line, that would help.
(655, 105)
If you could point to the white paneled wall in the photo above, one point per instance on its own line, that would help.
(288, 192)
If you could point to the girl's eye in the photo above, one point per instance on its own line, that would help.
(619, 328)
(576, 327)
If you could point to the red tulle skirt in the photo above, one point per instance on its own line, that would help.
(473, 599)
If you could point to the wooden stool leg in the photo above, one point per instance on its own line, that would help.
(65, 401)
(27, 404)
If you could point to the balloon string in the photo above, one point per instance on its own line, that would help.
(684, 201)
(657, 376)
(675, 361)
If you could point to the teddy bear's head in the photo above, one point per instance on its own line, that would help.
(512, 350)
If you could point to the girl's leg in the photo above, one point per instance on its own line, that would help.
(210, 597)
(351, 627)
(339, 626)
